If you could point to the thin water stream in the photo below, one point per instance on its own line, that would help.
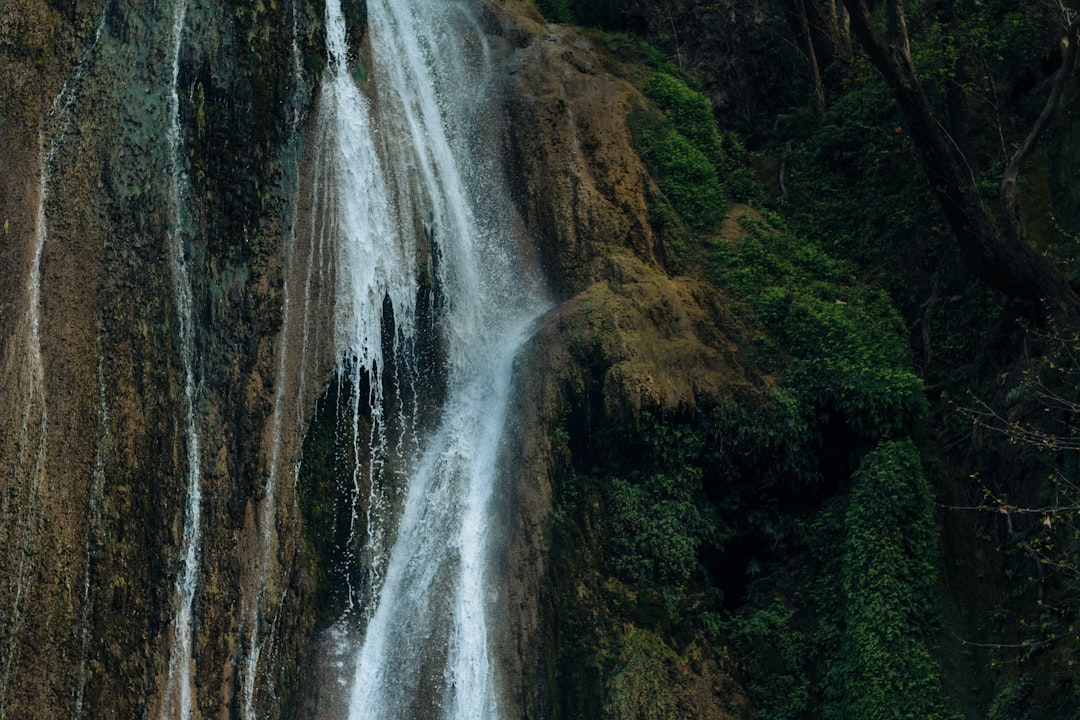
(267, 508)
(32, 439)
(179, 691)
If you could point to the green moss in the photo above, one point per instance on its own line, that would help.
(641, 686)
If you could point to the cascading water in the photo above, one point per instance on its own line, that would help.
(178, 691)
(375, 265)
(424, 247)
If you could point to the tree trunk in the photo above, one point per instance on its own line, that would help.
(988, 237)
(817, 27)
(800, 23)
(830, 35)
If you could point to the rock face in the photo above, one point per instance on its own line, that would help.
(582, 187)
(730, 46)
(626, 339)
(92, 450)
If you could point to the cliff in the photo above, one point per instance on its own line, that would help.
(735, 483)
(94, 455)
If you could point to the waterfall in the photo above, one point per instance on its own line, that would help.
(424, 247)
(178, 686)
(374, 265)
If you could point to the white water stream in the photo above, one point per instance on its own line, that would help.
(178, 693)
(375, 263)
(394, 176)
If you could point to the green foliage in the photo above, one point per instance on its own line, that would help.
(758, 485)
(656, 514)
(847, 344)
(858, 187)
(884, 668)
(682, 171)
(978, 47)
(642, 685)
(744, 187)
(774, 655)
(557, 11)
(748, 472)
(685, 153)
(854, 179)
(689, 112)
(852, 642)
(1012, 702)
(657, 524)
(636, 52)
(815, 472)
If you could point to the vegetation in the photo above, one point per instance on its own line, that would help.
(680, 144)
(687, 513)
(884, 668)
(871, 244)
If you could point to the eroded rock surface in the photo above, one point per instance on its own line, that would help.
(626, 329)
(95, 544)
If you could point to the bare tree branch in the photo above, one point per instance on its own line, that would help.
(1068, 59)
(989, 240)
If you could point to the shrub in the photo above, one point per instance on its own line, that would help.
(684, 174)
(683, 150)
(846, 344)
(689, 113)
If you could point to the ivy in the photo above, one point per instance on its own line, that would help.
(884, 668)
(656, 516)
(657, 524)
(774, 654)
